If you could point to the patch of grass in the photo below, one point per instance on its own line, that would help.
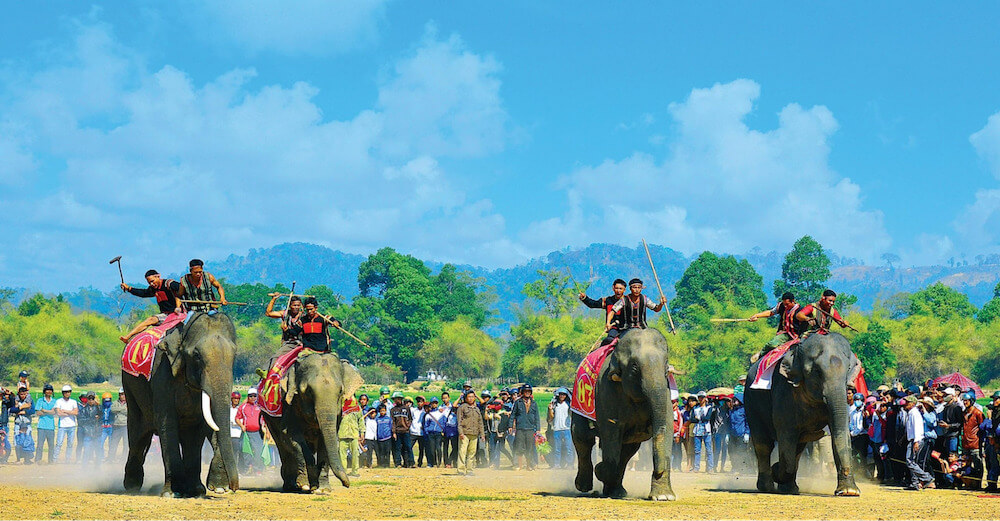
(364, 482)
(320, 498)
(463, 497)
(56, 513)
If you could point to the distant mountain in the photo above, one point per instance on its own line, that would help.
(598, 264)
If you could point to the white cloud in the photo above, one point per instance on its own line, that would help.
(987, 143)
(723, 186)
(977, 227)
(165, 168)
(313, 27)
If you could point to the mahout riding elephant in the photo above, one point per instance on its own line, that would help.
(792, 415)
(306, 433)
(632, 405)
(184, 401)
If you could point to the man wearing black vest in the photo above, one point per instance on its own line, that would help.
(633, 308)
(200, 285)
(606, 303)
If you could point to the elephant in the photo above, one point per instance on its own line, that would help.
(632, 405)
(306, 433)
(184, 401)
(808, 393)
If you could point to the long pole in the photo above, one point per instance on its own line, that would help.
(213, 302)
(290, 293)
(659, 287)
(729, 320)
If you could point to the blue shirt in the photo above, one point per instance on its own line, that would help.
(930, 424)
(383, 427)
(738, 421)
(451, 425)
(431, 425)
(46, 421)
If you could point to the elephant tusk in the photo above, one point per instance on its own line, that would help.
(206, 411)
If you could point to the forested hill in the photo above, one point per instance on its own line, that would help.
(597, 264)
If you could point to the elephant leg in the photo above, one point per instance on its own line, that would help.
(611, 453)
(583, 442)
(617, 491)
(218, 478)
(788, 466)
(173, 469)
(139, 439)
(191, 443)
(763, 447)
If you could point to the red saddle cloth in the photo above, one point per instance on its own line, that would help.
(765, 371)
(270, 397)
(583, 402)
(137, 359)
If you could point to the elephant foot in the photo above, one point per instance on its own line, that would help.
(199, 490)
(765, 484)
(618, 492)
(788, 488)
(664, 497)
(847, 489)
(584, 482)
(662, 492)
(222, 490)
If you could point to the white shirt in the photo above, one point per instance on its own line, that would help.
(371, 427)
(856, 422)
(63, 404)
(914, 425)
(234, 430)
(560, 416)
(416, 428)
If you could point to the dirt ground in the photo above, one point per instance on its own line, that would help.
(69, 492)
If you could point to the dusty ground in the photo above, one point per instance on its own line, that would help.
(68, 492)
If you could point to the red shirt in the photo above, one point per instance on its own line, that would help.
(249, 414)
(809, 309)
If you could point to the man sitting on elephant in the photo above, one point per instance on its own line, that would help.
(201, 286)
(606, 303)
(785, 310)
(633, 308)
(166, 293)
(291, 325)
(312, 327)
(817, 316)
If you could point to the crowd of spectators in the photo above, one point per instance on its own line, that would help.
(86, 430)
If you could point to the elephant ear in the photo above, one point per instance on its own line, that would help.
(288, 387)
(171, 346)
(793, 365)
(352, 378)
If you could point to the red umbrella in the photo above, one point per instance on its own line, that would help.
(960, 380)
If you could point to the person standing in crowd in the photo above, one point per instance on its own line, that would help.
(701, 417)
(417, 429)
(384, 440)
(107, 427)
(859, 434)
(371, 431)
(66, 412)
(24, 409)
(248, 418)
(676, 449)
(119, 428)
(876, 438)
(470, 430)
(526, 424)
(482, 451)
(402, 418)
(449, 451)
(45, 408)
(6, 404)
(235, 432)
(562, 441)
(720, 431)
(497, 422)
(991, 442)
(90, 425)
(432, 422)
(351, 431)
(970, 438)
(920, 479)
(739, 435)
(950, 420)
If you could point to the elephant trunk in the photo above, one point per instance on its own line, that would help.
(662, 419)
(835, 397)
(328, 413)
(215, 407)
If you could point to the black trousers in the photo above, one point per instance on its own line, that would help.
(449, 450)
(434, 443)
(382, 450)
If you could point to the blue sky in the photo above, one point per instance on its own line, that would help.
(489, 134)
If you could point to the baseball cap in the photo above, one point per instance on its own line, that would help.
(67, 388)
(106, 396)
(434, 399)
(383, 390)
(702, 394)
(859, 396)
(252, 392)
(485, 393)
(23, 374)
(949, 391)
(235, 394)
(397, 394)
(121, 390)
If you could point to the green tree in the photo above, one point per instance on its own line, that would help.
(723, 279)
(990, 311)
(456, 297)
(804, 272)
(941, 301)
(461, 350)
(557, 292)
(872, 348)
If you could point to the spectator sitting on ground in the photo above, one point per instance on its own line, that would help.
(25, 444)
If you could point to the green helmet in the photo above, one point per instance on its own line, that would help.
(397, 394)
(383, 390)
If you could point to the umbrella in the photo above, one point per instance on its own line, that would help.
(721, 392)
(960, 380)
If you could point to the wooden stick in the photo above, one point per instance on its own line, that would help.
(662, 296)
(729, 320)
(214, 302)
(831, 318)
(358, 340)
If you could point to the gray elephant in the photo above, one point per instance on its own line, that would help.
(792, 415)
(306, 434)
(184, 401)
(632, 405)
